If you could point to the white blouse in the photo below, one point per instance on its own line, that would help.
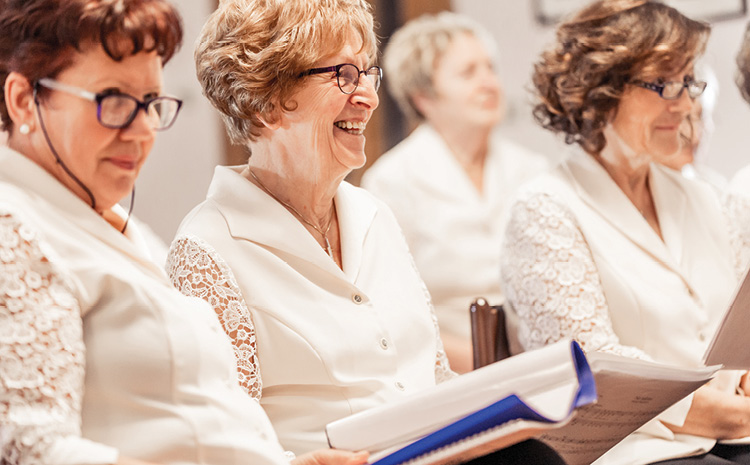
(99, 354)
(580, 261)
(314, 342)
(452, 229)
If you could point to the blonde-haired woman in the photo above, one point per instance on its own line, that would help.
(309, 276)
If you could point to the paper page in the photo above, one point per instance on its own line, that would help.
(732, 332)
(626, 402)
(525, 375)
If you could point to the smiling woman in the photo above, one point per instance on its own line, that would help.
(617, 251)
(101, 359)
(310, 276)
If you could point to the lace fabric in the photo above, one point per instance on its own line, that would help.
(443, 370)
(737, 215)
(41, 349)
(197, 270)
(549, 275)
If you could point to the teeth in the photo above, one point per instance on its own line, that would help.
(349, 125)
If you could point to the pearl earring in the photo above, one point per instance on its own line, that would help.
(24, 129)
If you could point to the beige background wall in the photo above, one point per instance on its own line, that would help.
(176, 176)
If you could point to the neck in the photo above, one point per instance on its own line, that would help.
(468, 144)
(299, 182)
(629, 168)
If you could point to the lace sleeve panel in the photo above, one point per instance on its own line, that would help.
(443, 370)
(550, 278)
(42, 356)
(737, 215)
(197, 270)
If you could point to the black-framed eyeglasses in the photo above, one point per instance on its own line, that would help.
(116, 110)
(347, 76)
(673, 90)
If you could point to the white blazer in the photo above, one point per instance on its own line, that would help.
(329, 342)
(452, 229)
(579, 260)
(78, 298)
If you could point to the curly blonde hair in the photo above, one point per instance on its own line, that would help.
(413, 52)
(250, 54)
(579, 82)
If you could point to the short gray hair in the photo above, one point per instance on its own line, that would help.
(414, 50)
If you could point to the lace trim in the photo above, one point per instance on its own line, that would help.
(41, 349)
(736, 210)
(197, 270)
(443, 370)
(551, 279)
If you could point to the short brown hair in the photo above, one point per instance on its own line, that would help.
(251, 52)
(579, 82)
(39, 36)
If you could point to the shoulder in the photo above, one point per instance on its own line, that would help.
(518, 154)
(204, 219)
(740, 183)
(363, 204)
(362, 200)
(553, 182)
(406, 159)
(698, 190)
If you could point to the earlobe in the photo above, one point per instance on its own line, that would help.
(422, 103)
(19, 100)
(271, 119)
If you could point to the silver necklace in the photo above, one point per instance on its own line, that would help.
(327, 248)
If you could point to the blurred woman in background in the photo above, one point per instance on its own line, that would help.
(450, 182)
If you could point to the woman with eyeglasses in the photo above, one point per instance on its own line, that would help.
(102, 361)
(309, 276)
(616, 251)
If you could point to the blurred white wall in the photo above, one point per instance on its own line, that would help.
(521, 39)
(179, 169)
(177, 175)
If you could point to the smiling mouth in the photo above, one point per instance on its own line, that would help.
(356, 128)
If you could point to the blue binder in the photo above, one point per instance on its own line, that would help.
(500, 413)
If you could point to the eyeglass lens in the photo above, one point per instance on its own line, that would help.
(118, 111)
(348, 77)
(673, 90)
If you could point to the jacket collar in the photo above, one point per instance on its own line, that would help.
(42, 186)
(597, 189)
(253, 215)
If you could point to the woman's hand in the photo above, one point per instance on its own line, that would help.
(717, 414)
(331, 457)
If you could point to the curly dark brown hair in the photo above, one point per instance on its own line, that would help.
(579, 82)
(39, 37)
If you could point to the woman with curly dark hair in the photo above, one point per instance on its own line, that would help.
(616, 251)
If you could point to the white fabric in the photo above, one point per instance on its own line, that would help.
(329, 342)
(452, 229)
(740, 182)
(580, 261)
(160, 379)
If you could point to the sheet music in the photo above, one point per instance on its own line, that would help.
(731, 336)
